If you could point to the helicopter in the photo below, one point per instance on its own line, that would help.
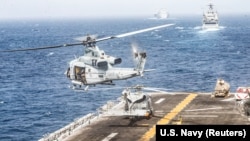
(135, 103)
(96, 67)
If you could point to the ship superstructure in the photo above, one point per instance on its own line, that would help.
(161, 14)
(210, 18)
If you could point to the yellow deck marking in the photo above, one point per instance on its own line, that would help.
(168, 117)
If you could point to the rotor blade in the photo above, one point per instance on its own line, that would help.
(97, 89)
(86, 42)
(100, 89)
(134, 32)
(39, 48)
(157, 90)
(84, 38)
(148, 70)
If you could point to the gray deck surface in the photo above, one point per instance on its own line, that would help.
(185, 109)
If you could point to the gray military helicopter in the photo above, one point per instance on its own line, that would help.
(95, 67)
(135, 102)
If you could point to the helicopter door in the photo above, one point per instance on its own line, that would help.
(80, 74)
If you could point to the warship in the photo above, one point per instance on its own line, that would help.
(210, 18)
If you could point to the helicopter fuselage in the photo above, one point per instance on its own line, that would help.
(134, 103)
(96, 57)
(100, 71)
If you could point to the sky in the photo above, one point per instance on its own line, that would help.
(40, 9)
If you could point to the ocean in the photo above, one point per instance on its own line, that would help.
(35, 98)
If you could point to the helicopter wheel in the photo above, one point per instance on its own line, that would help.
(147, 116)
(132, 119)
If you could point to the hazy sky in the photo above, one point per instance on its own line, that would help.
(17, 9)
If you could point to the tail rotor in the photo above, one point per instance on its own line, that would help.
(139, 58)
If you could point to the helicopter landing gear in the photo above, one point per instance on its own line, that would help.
(149, 115)
(68, 73)
(126, 108)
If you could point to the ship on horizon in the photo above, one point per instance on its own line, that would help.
(161, 14)
(210, 18)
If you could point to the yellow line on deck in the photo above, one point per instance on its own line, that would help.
(168, 117)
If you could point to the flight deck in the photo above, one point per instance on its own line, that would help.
(175, 108)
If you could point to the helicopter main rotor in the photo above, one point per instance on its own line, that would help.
(90, 41)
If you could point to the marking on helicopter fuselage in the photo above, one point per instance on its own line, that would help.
(168, 117)
(110, 136)
(159, 101)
